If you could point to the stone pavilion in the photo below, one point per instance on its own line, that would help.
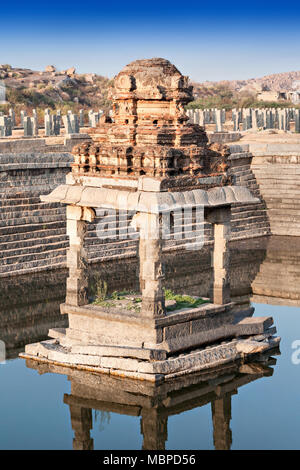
(146, 158)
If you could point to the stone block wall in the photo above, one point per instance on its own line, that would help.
(32, 234)
(247, 220)
(278, 179)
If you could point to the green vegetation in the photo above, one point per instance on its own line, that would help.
(134, 299)
(28, 97)
(183, 301)
(57, 93)
(104, 300)
(123, 294)
(100, 290)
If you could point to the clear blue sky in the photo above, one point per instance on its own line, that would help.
(205, 40)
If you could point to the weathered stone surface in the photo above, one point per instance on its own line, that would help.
(251, 347)
(253, 325)
(174, 366)
(122, 352)
(176, 331)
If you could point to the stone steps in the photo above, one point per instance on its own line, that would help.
(13, 229)
(283, 187)
(271, 169)
(31, 220)
(283, 206)
(17, 252)
(280, 188)
(33, 256)
(30, 242)
(284, 226)
(27, 213)
(32, 235)
(104, 246)
(19, 201)
(56, 262)
(280, 214)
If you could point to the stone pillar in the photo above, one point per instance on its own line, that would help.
(81, 117)
(223, 115)
(237, 119)
(154, 427)
(221, 416)
(233, 118)
(13, 117)
(67, 124)
(151, 268)
(74, 123)
(90, 113)
(77, 281)
(35, 126)
(219, 124)
(287, 120)
(297, 120)
(283, 120)
(247, 122)
(23, 115)
(56, 124)
(272, 119)
(201, 118)
(82, 423)
(58, 117)
(264, 118)
(27, 124)
(254, 120)
(220, 218)
(5, 126)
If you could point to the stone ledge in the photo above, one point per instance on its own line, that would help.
(173, 317)
(193, 361)
(150, 202)
(103, 350)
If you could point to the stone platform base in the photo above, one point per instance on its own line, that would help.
(146, 364)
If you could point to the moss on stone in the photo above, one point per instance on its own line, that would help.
(183, 301)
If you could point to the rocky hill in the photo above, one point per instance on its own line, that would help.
(285, 81)
(66, 89)
(54, 89)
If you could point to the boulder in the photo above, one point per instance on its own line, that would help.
(50, 68)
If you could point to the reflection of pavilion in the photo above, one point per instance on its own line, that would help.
(156, 403)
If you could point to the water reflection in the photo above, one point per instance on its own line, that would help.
(277, 282)
(154, 404)
(263, 270)
(29, 306)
